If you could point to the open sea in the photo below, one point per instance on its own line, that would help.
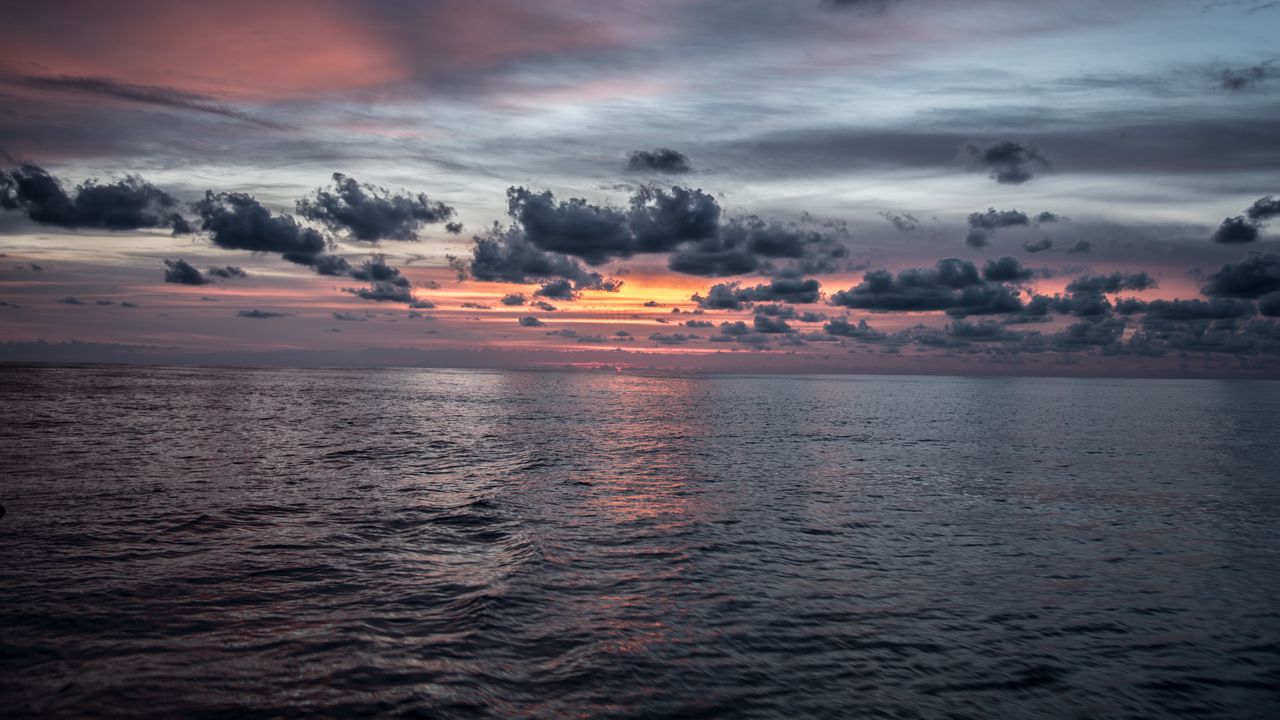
(245, 543)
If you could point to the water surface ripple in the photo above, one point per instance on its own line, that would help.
(195, 542)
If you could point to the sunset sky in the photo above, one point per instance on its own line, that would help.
(993, 186)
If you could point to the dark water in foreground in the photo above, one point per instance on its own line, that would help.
(245, 543)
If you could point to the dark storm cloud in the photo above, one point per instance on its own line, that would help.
(1008, 162)
(147, 94)
(1247, 228)
(572, 227)
(730, 296)
(237, 221)
(661, 160)
(130, 203)
(513, 299)
(699, 324)
(723, 296)
(1006, 269)
(1111, 283)
(752, 245)
(332, 265)
(682, 221)
(1081, 246)
(1038, 245)
(260, 314)
(953, 286)
(508, 256)
(1269, 305)
(1237, 231)
(369, 213)
(182, 273)
(530, 321)
(376, 269)
(1250, 278)
(1264, 209)
(786, 289)
(661, 220)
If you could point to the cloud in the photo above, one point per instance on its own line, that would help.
(1252, 277)
(770, 325)
(508, 256)
(730, 296)
(1008, 162)
(699, 324)
(841, 327)
(383, 291)
(543, 305)
(861, 6)
(1189, 310)
(237, 221)
(1006, 269)
(369, 213)
(227, 272)
(1038, 246)
(530, 321)
(982, 224)
(574, 227)
(661, 220)
(1081, 246)
(130, 203)
(350, 317)
(513, 299)
(994, 219)
(69, 300)
(147, 94)
(260, 314)
(661, 160)
(904, 222)
(952, 285)
(376, 270)
(1111, 283)
(1236, 231)
(1263, 209)
(557, 290)
(752, 245)
(182, 272)
(684, 222)
(1245, 78)
(673, 338)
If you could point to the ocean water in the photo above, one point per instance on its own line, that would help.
(194, 542)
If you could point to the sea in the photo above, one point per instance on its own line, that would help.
(191, 542)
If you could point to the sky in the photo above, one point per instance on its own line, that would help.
(979, 186)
